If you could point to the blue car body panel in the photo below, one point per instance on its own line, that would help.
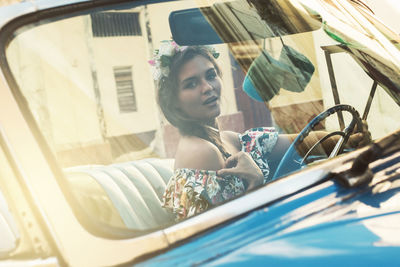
(324, 225)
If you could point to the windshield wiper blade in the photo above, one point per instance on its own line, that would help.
(360, 173)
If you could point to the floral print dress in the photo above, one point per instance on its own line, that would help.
(191, 191)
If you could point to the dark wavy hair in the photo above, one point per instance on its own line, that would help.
(168, 90)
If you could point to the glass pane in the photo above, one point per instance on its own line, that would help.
(91, 89)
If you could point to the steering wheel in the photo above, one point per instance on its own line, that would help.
(291, 154)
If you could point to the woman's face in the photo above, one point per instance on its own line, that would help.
(199, 89)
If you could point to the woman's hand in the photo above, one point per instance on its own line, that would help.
(360, 139)
(356, 140)
(242, 165)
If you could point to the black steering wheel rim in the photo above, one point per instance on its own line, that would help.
(291, 152)
(326, 137)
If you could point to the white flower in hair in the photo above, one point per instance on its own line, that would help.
(167, 48)
(157, 75)
(162, 57)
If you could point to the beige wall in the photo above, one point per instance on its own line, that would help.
(56, 76)
(126, 51)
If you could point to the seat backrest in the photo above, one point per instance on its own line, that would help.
(125, 194)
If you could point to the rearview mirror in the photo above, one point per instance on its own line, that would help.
(241, 21)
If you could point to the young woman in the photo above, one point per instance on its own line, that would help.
(211, 166)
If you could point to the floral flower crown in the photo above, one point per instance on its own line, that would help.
(162, 57)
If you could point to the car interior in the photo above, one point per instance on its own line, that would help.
(89, 88)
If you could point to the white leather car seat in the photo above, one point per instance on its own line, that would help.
(133, 190)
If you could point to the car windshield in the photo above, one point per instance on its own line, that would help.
(140, 133)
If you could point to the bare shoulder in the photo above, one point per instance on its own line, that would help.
(197, 153)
